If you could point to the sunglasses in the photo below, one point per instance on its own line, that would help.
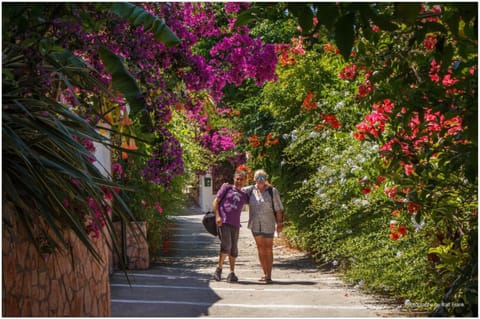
(261, 178)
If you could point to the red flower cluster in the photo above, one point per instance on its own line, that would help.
(365, 89)
(254, 141)
(271, 140)
(284, 51)
(298, 48)
(413, 208)
(434, 69)
(287, 51)
(401, 202)
(349, 72)
(434, 9)
(447, 80)
(332, 120)
(237, 136)
(374, 123)
(423, 131)
(391, 192)
(242, 167)
(307, 102)
(367, 186)
(328, 48)
(430, 42)
(420, 131)
(397, 231)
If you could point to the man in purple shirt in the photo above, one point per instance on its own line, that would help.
(228, 205)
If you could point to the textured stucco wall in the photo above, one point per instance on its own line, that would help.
(64, 283)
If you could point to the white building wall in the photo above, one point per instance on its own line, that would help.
(206, 195)
(103, 155)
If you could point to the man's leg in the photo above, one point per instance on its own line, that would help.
(221, 260)
(234, 233)
(224, 243)
(232, 259)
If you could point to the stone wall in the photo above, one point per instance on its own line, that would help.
(136, 246)
(61, 283)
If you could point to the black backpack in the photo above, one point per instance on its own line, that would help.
(209, 221)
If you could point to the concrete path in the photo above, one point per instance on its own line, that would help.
(179, 284)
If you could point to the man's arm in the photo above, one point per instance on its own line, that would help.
(216, 210)
(216, 204)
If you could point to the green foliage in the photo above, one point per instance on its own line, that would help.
(280, 30)
(260, 11)
(153, 204)
(122, 80)
(335, 204)
(195, 156)
(45, 164)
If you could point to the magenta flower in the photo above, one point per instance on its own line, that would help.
(117, 169)
(158, 207)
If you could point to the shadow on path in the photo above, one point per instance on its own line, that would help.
(174, 285)
(278, 282)
(179, 284)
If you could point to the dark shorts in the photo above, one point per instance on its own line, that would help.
(229, 240)
(266, 235)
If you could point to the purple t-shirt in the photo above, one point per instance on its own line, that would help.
(231, 205)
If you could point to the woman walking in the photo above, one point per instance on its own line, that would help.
(265, 216)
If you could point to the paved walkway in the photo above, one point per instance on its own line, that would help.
(179, 283)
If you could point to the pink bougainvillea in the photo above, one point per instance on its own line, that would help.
(233, 57)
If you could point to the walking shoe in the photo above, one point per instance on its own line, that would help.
(218, 274)
(232, 278)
